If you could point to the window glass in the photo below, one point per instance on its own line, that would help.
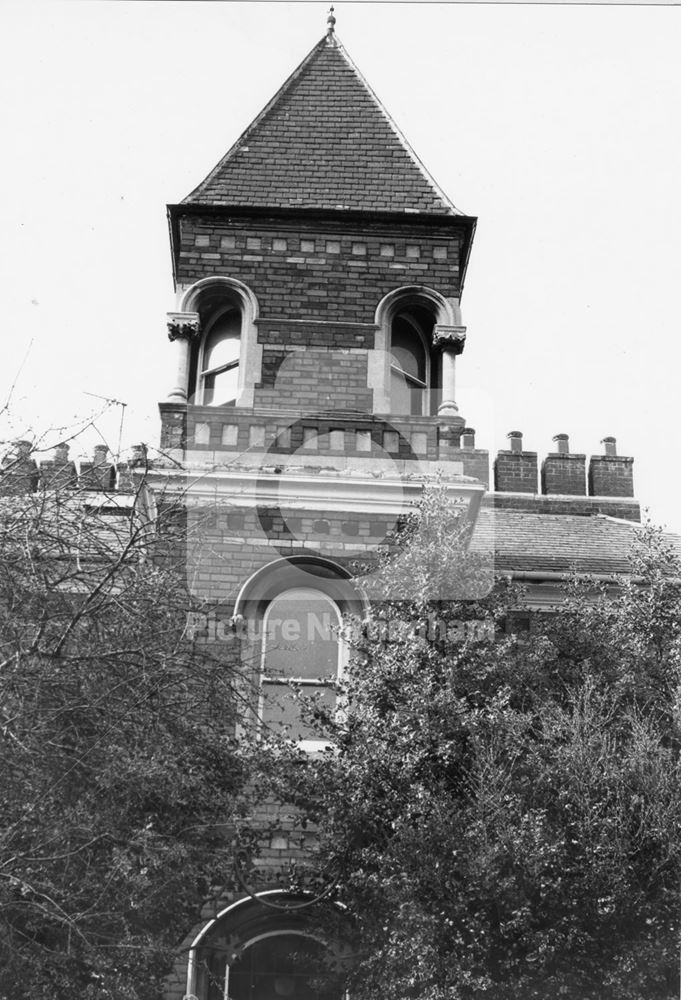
(221, 350)
(408, 366)
(221, 388)
(222, 343)
(286, 709)
(301, 658)
(407, 350)
(301, 636)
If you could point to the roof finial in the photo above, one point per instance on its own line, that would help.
(330, 23)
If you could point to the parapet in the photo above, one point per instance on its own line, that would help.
(515, 470)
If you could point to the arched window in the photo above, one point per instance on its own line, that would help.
(219, 362)
(301, 663)
(404, 370)
(225, 361)
(414, 374)
(293, 610)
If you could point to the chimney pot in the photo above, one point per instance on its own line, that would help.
(610, 444)
(516, 439)
(61, 452)
(468, 437)
(101, 451)
(562, 442)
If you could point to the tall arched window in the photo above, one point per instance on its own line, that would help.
(224, 363)
(301, 663)
(219, 361)
(294, 609)
(414, 375)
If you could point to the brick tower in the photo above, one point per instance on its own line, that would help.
(319, 271)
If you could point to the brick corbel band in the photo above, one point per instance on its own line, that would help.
(450, 341)
(183, 328)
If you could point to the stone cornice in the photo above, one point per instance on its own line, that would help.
(183, 325)
(342, 493)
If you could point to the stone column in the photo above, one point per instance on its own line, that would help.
(183, 329)
(450, 340)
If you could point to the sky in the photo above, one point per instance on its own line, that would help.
(558, 126)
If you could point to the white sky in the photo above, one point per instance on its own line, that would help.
(558, 126)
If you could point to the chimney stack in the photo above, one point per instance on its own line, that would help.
(611, 475)
(563, 473)
(58, 472)
(515, 470)
(18, 470)
(99, 474)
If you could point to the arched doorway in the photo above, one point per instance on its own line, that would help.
(287, 965)
(273, 946)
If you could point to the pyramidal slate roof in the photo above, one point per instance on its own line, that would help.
(325, 142)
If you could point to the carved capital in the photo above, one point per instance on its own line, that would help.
(183, 326)
(449, 338)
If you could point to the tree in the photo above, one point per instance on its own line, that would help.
(502, 811)
(118, 770)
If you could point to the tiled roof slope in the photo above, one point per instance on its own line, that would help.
(525, 542)
(324, 141)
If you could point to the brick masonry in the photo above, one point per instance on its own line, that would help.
(611, 475)
(516, 472)
(329, 282)
(564, 474)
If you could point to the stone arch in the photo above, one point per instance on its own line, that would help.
(196, 295)
(444, 310)
(301, 570)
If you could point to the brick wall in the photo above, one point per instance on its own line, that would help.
(227, 545)
(320, 270)
(314, 378)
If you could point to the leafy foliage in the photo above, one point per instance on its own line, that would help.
(118, 771)
(503, 810)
